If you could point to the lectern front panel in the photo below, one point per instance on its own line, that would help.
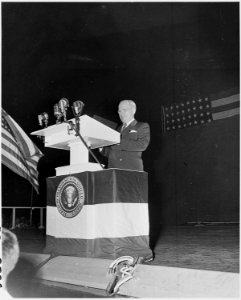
(98, 214)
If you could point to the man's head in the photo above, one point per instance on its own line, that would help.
(126, 110)
(10, 252)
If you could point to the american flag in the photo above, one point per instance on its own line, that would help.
(198, 112)
(18, 151)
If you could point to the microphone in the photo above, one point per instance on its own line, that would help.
(63, 105)
(77, 108)
(40, 120)
(45, 118)
(57, 113)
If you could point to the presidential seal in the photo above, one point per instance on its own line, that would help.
(70, 197)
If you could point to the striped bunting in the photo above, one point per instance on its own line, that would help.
(19, 153)
(96, 221)
(113, 220)
(198, 112)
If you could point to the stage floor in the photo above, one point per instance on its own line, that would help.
(207, 247)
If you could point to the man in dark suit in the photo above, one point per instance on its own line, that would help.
(135, 138)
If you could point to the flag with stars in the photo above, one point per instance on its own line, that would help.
(198, 112)
(19, 153)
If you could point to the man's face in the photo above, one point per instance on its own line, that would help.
(125, 112)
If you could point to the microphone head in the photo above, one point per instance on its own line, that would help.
(63, 104)
(57, 111)
(40, 119)
(77, 107)
(45, 116)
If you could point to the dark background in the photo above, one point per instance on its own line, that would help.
(154, 53)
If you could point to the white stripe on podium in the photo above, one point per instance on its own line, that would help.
(108, 220)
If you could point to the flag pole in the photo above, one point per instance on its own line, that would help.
(31, 207)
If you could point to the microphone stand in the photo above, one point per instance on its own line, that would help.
(76, 127)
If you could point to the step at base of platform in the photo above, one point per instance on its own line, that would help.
(148, 281)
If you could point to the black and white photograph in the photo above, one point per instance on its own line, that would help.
(120, 151)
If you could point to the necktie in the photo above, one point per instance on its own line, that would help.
(123, 127)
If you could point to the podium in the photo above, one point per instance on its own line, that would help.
(93, 212)
(95, 134)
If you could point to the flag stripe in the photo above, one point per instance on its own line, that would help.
(22, 138)
(34, 159)
(224, 101)
(31, 166)
(18, 151)
(8, 137)
(15, 155)
(228, 106)
(226, 114)
(12, 161)
(33, 173)
(13, 164)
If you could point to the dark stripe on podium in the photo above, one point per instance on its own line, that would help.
(108, 248)
(107, 186)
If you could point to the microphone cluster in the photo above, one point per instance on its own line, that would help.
(60, 112)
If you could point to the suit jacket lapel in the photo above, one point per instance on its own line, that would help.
(133, 123)
(127, 129)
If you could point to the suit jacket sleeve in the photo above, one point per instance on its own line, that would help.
(135, 142)
(105, 151)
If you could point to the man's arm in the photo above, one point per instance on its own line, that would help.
(105, 151)
(135, 141)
